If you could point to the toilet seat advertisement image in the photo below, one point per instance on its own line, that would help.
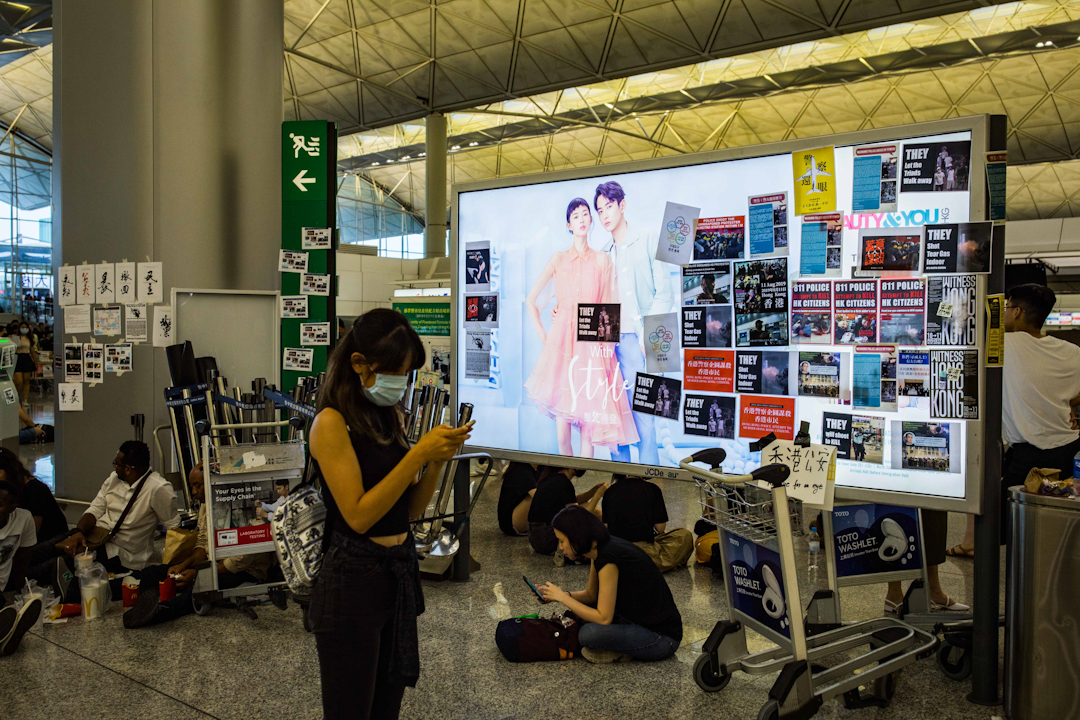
(757, 587)
(871, 539)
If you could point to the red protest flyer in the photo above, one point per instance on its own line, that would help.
(811, 312)
(709, 370)
(856, 306)
(760, 415)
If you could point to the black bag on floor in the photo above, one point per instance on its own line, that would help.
(529, 639)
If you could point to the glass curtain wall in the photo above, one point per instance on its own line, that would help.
(26, 230)
(369, 215)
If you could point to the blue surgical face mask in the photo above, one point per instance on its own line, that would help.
(387, 390)
(24, 331)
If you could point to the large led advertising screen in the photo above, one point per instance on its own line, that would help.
(638, 317)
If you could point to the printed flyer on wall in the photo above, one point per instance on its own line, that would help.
(767, 220)
(856, 306)
(478, 266)
(811, 312)
(913, 380)
(859, 438)
(760, 415)
(761, 308)
(662, 351)
(821, 375)
(706, 326)
(709, 370)
(675, 233)
(815, 186)
(597, 322)
(720, 238)
(936, 167)
(874, 377)
(756, 582)
(891, 251)
(954, 384)
(951, 307)
(709, 416)
(478, 354)
(926, 446)
(903, 311)
(706, 283)
(821, 244)
(656, 395)
(765, 373)
(874, 539)
(874, 178)
(482, 310)
(958, 248)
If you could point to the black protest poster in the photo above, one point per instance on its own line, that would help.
(958, 248)
(950, 314)
(656, 395)
(706, 326)
(598, 322)
(856, 305)
(954, 384)
(811, 312)
(762, 373)
(936, 166)
(836, 431)
(709, 416)
(903, 312)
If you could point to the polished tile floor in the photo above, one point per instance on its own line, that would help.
(228, 666)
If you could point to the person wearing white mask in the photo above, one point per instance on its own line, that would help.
(367, 595)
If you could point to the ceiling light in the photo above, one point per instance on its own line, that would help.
(423, 154)
(407, 157)
(609, 105)
(456, 147)
(374, 164)
(1039, 44)
(473, 144)
(389, 160)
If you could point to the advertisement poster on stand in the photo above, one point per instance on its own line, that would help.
(237, 520)
(811, 312)
(756, 582)
(903, 311)
(874, 178)
(872, 539)
(767, 222)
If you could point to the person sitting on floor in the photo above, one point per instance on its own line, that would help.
(127, 545)
(555, 491)
(17, 536)
(627, 608)
(516, 496)
(634, 510)
(233, 571)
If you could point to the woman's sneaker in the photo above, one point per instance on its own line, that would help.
(596, 655)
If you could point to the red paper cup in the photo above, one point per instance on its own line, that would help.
(130, 594)
(167, 589)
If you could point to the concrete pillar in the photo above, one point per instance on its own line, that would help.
(166, 122)
(435, 186)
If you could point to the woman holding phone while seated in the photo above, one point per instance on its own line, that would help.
(367, 595)
(627, 608)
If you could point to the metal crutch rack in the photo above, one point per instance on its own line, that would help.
(754, 516)
(236, 467)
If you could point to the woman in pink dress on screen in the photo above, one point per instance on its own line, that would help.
(578, 383)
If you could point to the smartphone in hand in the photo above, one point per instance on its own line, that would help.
(533, 588)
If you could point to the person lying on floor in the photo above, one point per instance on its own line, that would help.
(627, 607)
(516, 496)
(233, 572)
(634, 510)
(555, 491)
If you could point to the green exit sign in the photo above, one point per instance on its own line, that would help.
(305, 154)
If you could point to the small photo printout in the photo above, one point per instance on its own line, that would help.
(767, 222)
(958, 248)
(889, 251)
(657, 395)
(761, 330)
(294, 306)
(93, 363)
(709, 416)
(478, 266)
(313, 238)
(298, 359)
(761, 286)
(706, 283)
(676, 244)
(926, 446)
(482, 310)
(596, 322)
(706, 326)
(811, 312)
(874, 178)
(73, 362)
(314, 284)
(820, 374)
(720, 238)
(290, 261)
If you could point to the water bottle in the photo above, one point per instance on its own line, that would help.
(814, 554)
(1076, 468)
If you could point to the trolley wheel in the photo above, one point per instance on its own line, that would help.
(706, 679)
(769, 711)
(203, 608)
(885, 687)
(954, 661)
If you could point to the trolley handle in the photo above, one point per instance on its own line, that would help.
(775, 474)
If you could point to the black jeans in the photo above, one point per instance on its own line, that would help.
(1018, 462)
(352, 613)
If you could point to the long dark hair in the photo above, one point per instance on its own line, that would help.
(581, 528)
(13, 468)
(387, 341)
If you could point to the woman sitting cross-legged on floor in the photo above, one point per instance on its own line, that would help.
(627, 607)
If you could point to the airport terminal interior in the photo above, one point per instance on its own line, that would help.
(738, 331)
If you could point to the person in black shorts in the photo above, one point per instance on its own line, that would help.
(627, 607)
(555, 491)
(515, 497)
(634, 510)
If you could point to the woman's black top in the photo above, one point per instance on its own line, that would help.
(643, 597)
(376, 462)
(553, 493)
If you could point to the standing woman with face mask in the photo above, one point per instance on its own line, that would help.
(367, 595)
(25, 360)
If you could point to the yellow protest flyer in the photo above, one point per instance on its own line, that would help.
(815, 183)
(995, 331)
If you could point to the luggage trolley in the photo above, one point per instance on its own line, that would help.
(754, 516)
(238, 466)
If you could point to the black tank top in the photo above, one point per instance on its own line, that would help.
(376, 461)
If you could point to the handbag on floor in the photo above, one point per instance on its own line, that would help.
(534, 639)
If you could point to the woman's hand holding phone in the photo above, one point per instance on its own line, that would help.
(552, 592)
(442, 443)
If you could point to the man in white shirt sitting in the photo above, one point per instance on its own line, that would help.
(1040, 386)
(128, 545)
(265, 511)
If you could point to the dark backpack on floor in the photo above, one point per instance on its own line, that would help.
(529, 639)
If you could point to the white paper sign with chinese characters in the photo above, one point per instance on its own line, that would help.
(69, 396)
(85, 285)
(164, 332)
(125, 283)
(77, 319)
(813, 470)
(315, 239)
(66, 285)
(148, 281)
(105, 276)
